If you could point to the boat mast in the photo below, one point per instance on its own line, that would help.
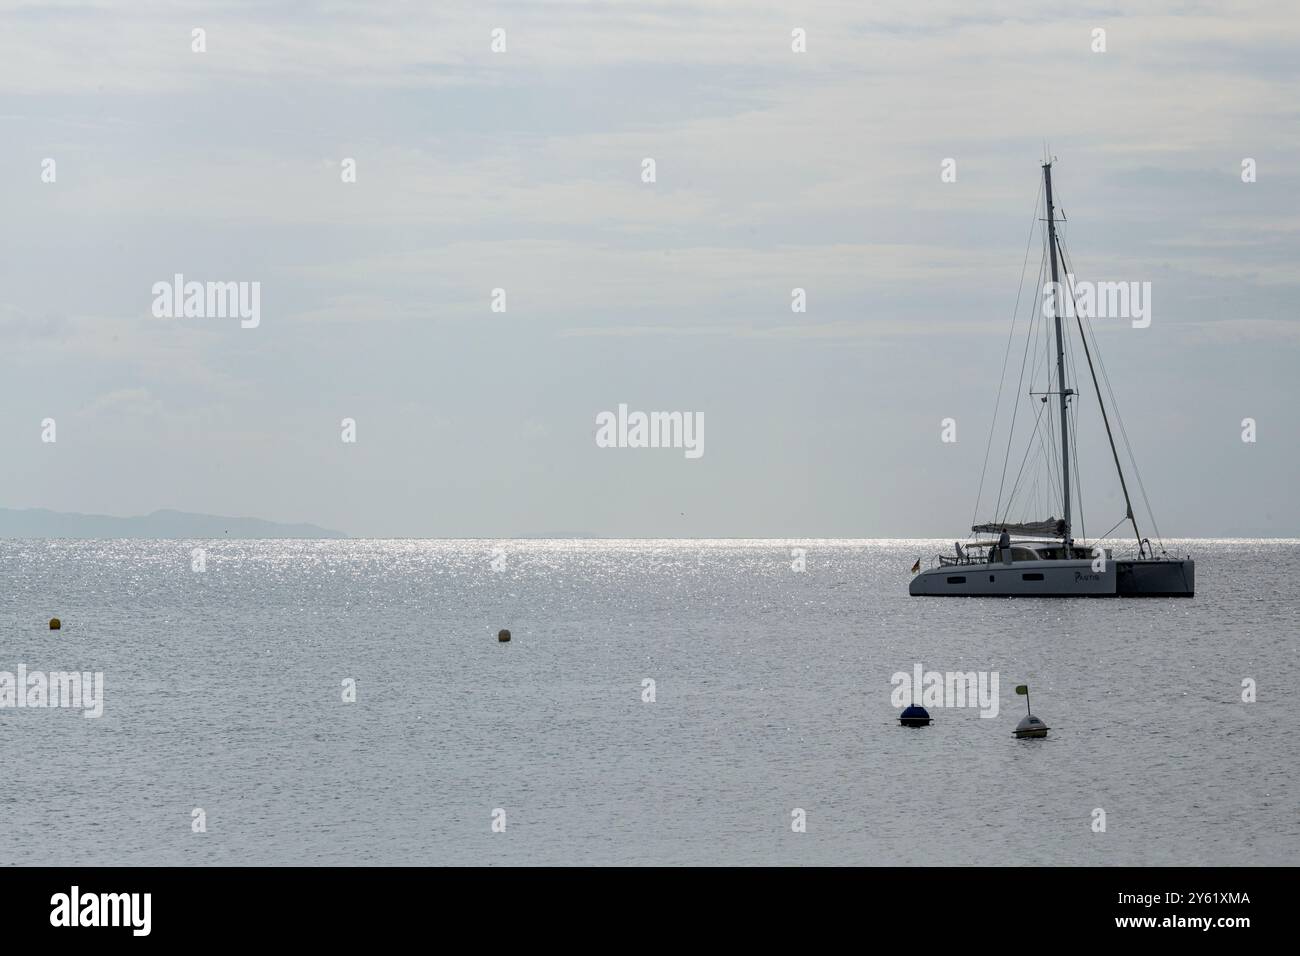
(1060, 351)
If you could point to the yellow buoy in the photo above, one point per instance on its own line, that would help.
(503, 636)
(55, 624)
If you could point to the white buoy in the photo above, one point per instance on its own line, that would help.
(1029, 726)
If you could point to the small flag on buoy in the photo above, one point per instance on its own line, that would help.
(916, 567)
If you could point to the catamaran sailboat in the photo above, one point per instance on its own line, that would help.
(1043, 558)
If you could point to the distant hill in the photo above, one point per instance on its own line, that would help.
(42, 523)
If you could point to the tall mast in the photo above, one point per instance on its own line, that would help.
(1060, 351)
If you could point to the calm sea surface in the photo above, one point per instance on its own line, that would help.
(223, 691)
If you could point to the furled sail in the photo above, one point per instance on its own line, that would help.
(1052, 527)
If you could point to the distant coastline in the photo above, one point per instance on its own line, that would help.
(43, 523)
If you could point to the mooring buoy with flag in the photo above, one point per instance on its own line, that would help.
(1029, 726)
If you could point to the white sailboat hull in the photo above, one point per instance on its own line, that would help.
(1058, 578)
(1074, 578)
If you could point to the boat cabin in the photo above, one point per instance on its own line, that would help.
(988, 552)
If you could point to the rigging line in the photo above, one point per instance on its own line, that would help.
(1029, 361)
(1112, 528)
(1053, 381)
(1078, 476)
(1031, 335)
(1137, 472)
(1074, 420)
(1036, 434)
(1015, 314)
(1022, 469)
(1114, 453)
(1128, 447)
(1041, 331)
(1029, 493)
(1038, 331)
(1004, 515)
(1049, 465)
(1043, 334)
(1036, 443)
(1007, 514)
(1070, 423)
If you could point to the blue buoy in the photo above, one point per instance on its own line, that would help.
(914, 716)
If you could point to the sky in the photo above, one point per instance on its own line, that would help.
(523, 170)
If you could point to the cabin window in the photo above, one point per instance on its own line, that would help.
(959, 579)
(1032, 576)
(1023, 554)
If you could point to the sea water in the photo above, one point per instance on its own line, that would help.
(660, 702)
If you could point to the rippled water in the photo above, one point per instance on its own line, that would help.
(223, 691)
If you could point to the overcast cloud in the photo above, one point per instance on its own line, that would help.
(522, 170)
